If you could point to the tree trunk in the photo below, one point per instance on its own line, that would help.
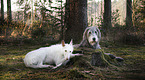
(43, 11)
(24, 14)
(75, 20)
(107, 16)
(32, 17)
(97, 59)
(129, 13)
(9, 14)
(2, 12)
(9, 17)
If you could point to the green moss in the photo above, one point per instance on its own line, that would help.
(74, 73)
(12, 66)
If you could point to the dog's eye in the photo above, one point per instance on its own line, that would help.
(89, 32)
(65, 50)
(95, 31)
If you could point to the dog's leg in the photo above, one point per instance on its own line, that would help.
(65, 62)
(41, 65)
(57, 66)
(83, 43)
(44, 66)
(73, 55)
(98, 46)
(59, 63)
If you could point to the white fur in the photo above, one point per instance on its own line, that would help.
(55, 54)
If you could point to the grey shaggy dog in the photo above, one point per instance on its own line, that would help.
(91, 38)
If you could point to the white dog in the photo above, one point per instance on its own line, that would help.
(91, 38)
(55, 54)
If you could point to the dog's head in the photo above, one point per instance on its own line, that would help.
(92, 35)
(67, 49)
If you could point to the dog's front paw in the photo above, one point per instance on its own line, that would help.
(79, 54)
(119, 59)
(55, 67)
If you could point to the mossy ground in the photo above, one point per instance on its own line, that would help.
(12, 66)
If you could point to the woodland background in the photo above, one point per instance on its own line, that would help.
(53, 20)
(26, 25)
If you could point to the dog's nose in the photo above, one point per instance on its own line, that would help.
(66, 58)
(94, 39)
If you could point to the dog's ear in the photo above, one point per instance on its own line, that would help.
(63, 43)
(85, 32)
(99, 33)
(71, 42)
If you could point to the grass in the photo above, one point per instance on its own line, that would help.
(12, 66)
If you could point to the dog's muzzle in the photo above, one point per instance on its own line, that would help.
(94, 39)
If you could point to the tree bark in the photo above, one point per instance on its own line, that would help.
(24, 14)
(32, 15)
(129, 13)
(9, 13)
(9, 17)
(2, 12)
(75, 20)
(107, 16)
(97, 59)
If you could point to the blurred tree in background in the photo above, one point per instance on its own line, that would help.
(2, 13)
(107, 25)
(129, 14)
(54, 20)
(138, 14)
(9, 12)
(76, 20)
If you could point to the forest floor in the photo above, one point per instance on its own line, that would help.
(133, 67)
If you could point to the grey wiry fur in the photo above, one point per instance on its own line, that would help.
(91, 38)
